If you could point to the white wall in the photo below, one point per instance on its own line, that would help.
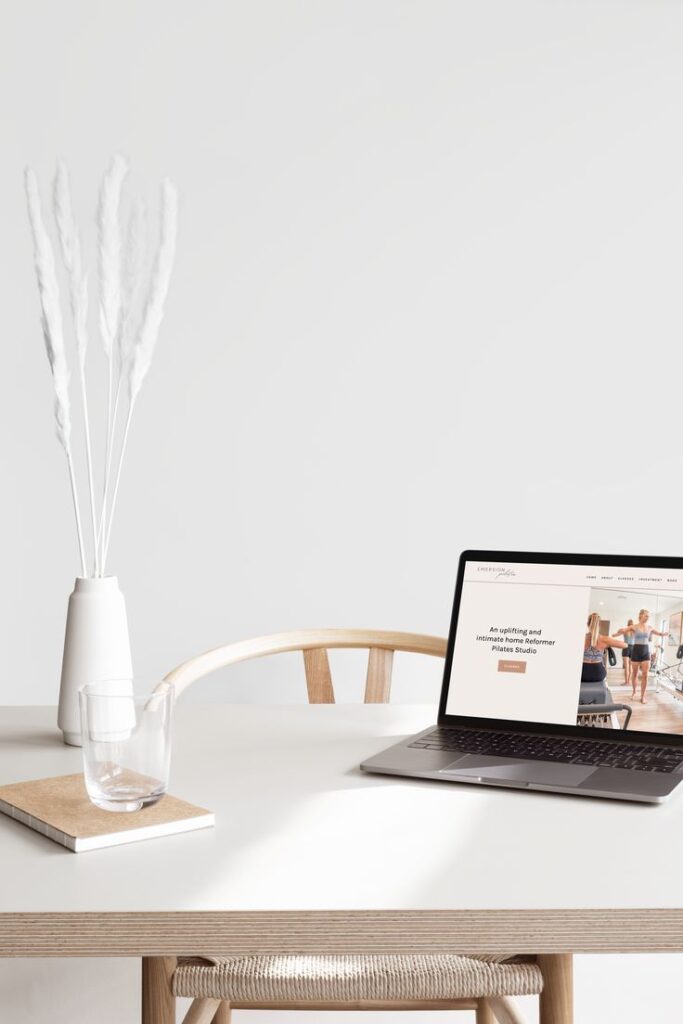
(429, 260)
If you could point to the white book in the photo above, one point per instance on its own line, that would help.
(59, 809)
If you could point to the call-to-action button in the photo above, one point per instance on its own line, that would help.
(511, 666)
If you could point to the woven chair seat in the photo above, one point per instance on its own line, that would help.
(274, 979)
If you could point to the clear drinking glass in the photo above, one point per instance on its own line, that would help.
(126, 744)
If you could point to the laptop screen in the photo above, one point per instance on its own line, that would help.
(569, 645)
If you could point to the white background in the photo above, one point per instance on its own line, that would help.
(427, 297)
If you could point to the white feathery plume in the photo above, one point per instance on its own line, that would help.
(129, 339)
(53, 335)
(109, 233)
(70, 243)
(131, 276)
(51, 319)
(153, 312)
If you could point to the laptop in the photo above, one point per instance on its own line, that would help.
(543, 655)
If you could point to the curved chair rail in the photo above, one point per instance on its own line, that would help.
(314, 643)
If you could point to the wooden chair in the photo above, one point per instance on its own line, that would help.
(314, 645)
(419, 982)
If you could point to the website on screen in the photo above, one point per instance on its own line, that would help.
(570, 645)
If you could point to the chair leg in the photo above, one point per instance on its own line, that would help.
(222, 1015)
(505, 1011)
(158, 1001)
(484, 1013)
(557, 997)
(202, 1011)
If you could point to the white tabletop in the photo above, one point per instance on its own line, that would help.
(300, 827)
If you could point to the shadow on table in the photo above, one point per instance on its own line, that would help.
(36, 738)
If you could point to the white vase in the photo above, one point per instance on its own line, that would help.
(96, 648)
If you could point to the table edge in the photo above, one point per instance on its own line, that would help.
(216, 932)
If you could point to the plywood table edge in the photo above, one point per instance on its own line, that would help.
(186, 933)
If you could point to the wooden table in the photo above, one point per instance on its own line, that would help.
(311, 855)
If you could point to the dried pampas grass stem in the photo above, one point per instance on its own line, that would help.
(53, 335)
(129, 326)
(70, 244)
(109, 235)
(131, 281)
(140, 357)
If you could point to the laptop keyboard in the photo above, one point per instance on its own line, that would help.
(640, 756)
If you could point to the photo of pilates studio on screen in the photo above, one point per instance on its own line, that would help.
(633, 660)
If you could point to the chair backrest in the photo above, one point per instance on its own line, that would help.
(314, 644)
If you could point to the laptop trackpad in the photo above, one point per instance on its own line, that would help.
(500, 769)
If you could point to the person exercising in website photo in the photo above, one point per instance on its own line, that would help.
(640, 653)
(595, 644)
(626, 633)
